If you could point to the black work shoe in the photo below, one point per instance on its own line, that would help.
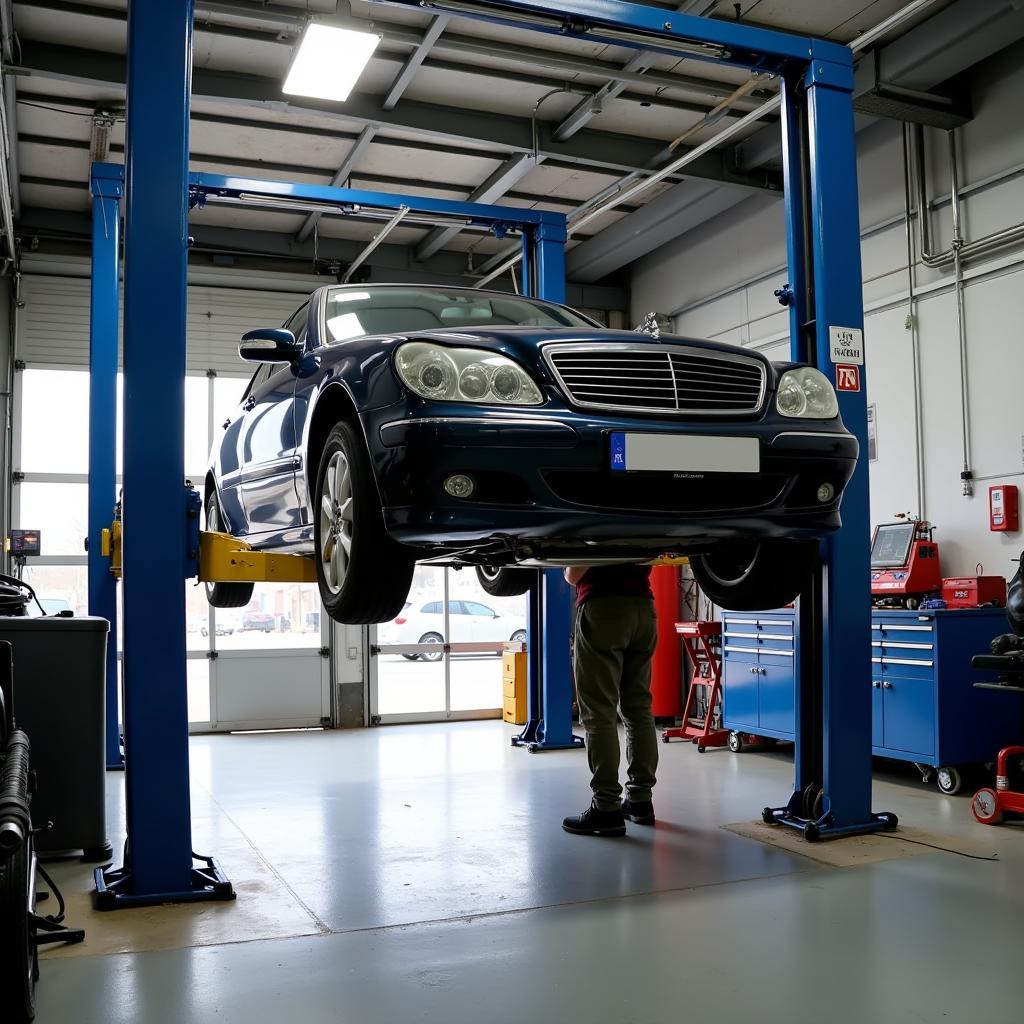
(593, 822)
(640, 811)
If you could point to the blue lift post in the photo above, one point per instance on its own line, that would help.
(107, 189)
(159, 865)
(832, 789)
(159, 862)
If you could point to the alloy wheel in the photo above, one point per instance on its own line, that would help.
(336, 511)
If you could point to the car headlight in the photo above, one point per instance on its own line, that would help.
(464, 375)
(805, 393)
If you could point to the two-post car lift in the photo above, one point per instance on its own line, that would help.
(833, 750)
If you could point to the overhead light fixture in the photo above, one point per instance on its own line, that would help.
(329, 62)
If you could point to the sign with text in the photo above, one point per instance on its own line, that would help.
(847, 345)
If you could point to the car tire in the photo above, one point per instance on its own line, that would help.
(438, 641)
(518, 637)
(367, 581)
(748, 576)
(506, 581)
(223, 595)
(19, 961)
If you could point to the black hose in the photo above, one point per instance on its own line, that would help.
(15, 820)
(15, 595)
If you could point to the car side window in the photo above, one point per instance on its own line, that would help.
(432, 608)
(475, 608)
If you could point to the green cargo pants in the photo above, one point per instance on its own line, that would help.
(615, 641)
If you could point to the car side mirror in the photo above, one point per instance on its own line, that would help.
(269, 345)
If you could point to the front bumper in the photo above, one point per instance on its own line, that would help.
(544, 482)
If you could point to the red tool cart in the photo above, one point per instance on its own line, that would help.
(703, 643)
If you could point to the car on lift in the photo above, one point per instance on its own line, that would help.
(393, 424)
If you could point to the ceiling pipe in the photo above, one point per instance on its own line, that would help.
(579, 219)
(10, 96)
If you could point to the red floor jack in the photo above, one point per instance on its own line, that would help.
(991, 805)
(703, 643)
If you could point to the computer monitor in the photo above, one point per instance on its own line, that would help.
(890, 548)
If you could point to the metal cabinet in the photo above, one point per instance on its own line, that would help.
(757, 658)
(925, 708)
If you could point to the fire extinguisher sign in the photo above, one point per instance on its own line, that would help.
(847, 377)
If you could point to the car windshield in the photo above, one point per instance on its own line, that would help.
(355, 312)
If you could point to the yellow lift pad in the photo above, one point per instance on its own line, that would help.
(226, 559)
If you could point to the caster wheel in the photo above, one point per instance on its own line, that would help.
(700, 749)
(767, 816)
(512, 742)
(811, 832)
(664, 737)
(949, 780)
(532, 748)
(889, 819)
(735, 742)
(985, 807)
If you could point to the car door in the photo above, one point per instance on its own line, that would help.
(268, 447)
(481, 621)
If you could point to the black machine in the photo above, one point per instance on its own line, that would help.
(1007, 649)
(22, 930)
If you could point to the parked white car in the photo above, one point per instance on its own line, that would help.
(422, 622)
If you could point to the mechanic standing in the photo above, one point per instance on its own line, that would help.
(616, 634)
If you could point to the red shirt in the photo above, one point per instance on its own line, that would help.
(614, 581)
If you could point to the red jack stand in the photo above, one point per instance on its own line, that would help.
(703, 643)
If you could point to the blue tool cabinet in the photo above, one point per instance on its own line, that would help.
(925, 708)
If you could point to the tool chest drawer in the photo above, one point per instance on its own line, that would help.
(758, 659)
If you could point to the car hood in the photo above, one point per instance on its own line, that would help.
(526, 343)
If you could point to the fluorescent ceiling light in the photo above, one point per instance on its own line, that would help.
(329, 62)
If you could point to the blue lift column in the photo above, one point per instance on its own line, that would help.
(107, 188)
(159, 860)
(832, 792)
(551, 689)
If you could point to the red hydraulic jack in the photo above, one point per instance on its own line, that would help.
(990, 806)
(703, 643)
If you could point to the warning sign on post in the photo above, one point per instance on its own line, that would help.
(847, 345)
(847, 377)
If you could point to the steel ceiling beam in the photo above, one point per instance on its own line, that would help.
(414, 61)
(488, 132)
(359, 147)
(404, 35)
(497, 185)
(640, 62)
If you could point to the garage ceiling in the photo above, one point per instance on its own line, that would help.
(444, 109)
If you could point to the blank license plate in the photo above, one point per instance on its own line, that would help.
(684, 453)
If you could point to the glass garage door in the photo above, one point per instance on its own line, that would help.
(263, 666)
(413, 678)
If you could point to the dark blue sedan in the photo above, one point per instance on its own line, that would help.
(394, 424)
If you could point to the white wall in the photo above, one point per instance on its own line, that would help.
(709, 280)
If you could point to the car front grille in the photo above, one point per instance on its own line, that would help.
(670, 380)
(660, 492)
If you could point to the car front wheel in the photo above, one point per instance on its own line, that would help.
(747, 576)
(364, 575)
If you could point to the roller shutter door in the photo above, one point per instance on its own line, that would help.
(53, 324)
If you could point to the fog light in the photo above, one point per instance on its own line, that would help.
(826, 492)
(458, 485)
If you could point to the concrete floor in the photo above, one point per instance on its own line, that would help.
(420, 873)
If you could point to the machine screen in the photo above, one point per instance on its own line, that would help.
(891, 546)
